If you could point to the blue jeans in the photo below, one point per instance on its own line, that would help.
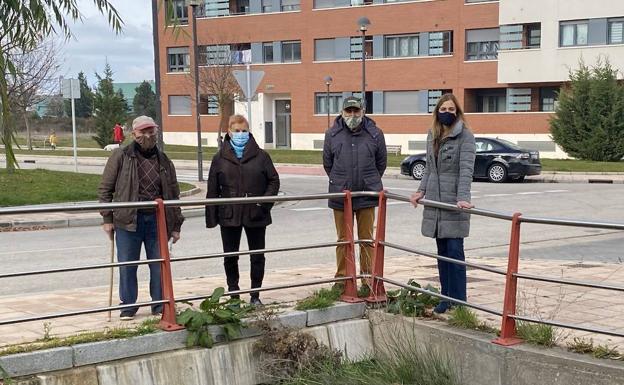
(129, 249)
(452, 276)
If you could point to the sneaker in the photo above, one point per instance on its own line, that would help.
(255, 302)
(442, 307)
(126, 316)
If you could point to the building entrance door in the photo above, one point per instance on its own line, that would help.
(282, 123)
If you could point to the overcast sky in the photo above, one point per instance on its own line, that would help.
(130, 53)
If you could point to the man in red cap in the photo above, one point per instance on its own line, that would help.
(139, 172)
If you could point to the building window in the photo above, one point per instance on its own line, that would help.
(440, 43)
(324, 49)
(434, 96)
(482, 44)
(290, 5)
(225, 54)
(520, 36)
(369, 100)
(401, 46)
(267, 52)
(518, 100)
(208, 105)
(179, 105)
(267, 6)
(180, 11)
(216, 8)
(616, 31)
(335, 103)
(356, 47)
(573, 33)
(491, 100)
(401, 102)
(291, 51)
(178, 59)
(548, 98)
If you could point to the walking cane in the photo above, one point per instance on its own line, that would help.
(110, 287)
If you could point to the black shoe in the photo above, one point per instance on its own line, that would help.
(126, 316)
(255, 302)
(442, 307)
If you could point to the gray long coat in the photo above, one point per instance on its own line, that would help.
(448, 180)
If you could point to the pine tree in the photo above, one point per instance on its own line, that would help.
(144, 102)
(110, 107)
(589, 120)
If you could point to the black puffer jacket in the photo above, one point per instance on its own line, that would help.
(229, 177)
(354, 161)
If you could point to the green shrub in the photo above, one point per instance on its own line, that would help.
(410, 302)
(536, 334)
(321, 299)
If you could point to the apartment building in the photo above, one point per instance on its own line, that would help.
(505, 60)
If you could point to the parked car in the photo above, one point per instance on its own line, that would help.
(497, 160)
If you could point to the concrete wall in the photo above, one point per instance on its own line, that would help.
(476, 359)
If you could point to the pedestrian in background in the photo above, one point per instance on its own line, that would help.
(241, 169)
(354, 158)
(447, 178)
(52, 139)
(139, 172)
(118, 134)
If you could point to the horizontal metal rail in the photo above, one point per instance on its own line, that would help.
(441, 258)
(573, 223)
(79, 207)
(424, 291)
(450, 207)
(81, 268)
(267, 288)
(78, 312)
(571, 282)
(248, 200)
(568, 326)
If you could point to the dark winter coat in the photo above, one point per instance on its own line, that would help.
(120, 183)
(251, 176)
(354, 161)
(448, 180)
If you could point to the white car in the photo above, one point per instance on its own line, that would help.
(111, 147)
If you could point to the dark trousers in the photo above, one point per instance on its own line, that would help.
(452, 276)
(129, 249)
(231, 236)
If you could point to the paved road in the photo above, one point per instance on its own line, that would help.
(311, 222)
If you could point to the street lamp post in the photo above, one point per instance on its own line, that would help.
(328, 82)
(363, 23)
(200, 164)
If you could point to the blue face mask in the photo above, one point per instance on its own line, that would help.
(239, 139)
(447, 118)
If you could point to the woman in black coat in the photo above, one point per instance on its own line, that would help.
(241, 169)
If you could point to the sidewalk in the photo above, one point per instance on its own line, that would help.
(588, 307)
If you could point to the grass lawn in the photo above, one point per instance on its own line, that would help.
(316, 157)
(581, 165)
(29, 187)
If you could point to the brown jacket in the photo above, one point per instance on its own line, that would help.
(120, 183)
(253, 175)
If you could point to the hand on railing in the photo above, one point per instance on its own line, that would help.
(416, 197)
(465, 205)
(109, 229)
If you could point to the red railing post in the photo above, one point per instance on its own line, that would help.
(168, 320)
(378, 291)
(508, 325)
(350, 292)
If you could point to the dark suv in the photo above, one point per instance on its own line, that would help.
(497, 160)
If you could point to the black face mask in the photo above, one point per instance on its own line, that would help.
(447, 118)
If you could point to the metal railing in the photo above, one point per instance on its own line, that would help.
(376, 277)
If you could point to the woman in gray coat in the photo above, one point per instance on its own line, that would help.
(447, 178)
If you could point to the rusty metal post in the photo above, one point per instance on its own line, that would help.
(168, 320)
(378, 291)
(350, 292)
(508, 324)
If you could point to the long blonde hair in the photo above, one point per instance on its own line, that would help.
(437, 129)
